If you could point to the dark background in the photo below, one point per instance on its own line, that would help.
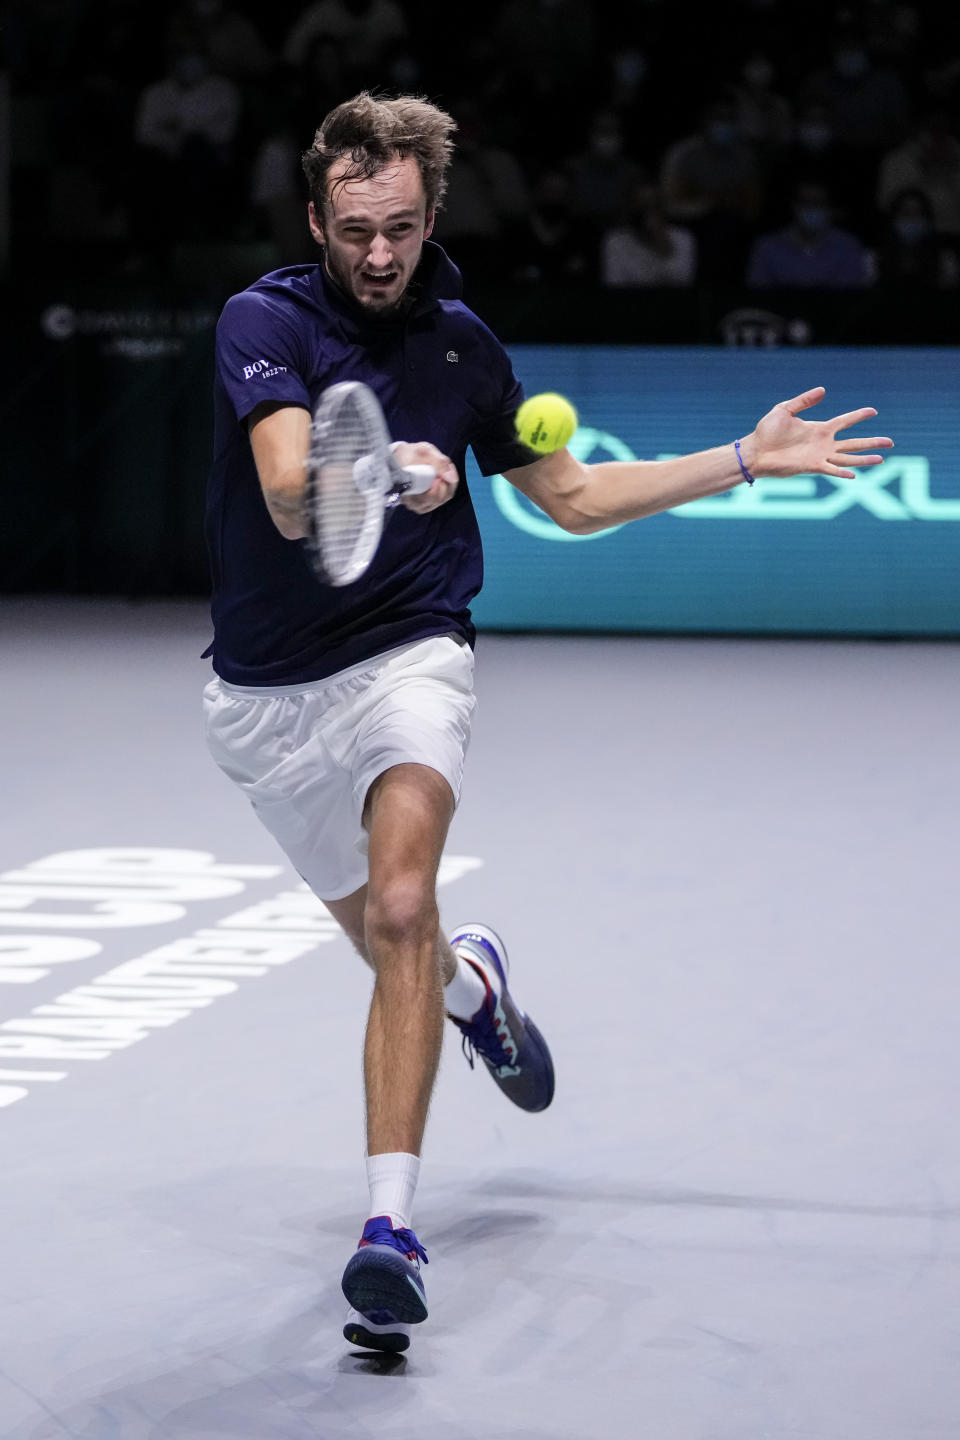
(121, 250)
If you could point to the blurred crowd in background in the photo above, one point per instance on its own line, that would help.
(643, 144)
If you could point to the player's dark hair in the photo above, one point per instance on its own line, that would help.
(373, 132)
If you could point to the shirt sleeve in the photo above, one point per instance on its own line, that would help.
(259, 354)
(494, 442)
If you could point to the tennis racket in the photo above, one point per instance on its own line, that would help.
(353, 480)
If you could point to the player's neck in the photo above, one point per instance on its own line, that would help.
(388, 315)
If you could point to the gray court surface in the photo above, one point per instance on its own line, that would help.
(726, 871)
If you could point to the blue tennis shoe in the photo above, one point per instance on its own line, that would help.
(384, 1288)
(506, 1039)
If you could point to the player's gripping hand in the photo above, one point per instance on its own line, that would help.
(783, 444)
(422, 452)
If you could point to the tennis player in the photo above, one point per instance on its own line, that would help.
(343, 714)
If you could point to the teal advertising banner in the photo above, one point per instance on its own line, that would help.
(878, 555)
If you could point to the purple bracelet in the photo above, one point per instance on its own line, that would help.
(743, 469)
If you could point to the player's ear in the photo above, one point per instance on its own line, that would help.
(316, 226)
(428, 227)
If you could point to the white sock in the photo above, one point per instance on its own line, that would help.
(393, 1181)
(466, 992)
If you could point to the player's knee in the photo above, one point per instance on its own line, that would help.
(401, 917)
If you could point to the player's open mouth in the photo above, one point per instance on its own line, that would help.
(379, 280)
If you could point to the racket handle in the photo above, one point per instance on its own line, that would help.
(416, 479)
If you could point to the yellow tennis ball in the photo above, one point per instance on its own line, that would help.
(546, 422)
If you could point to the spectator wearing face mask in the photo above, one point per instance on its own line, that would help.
(366, 29)
(929, 160)
(638, 94)
(602, 175)
(869, 108)
(868, 103)
(711, 183)
(811, 251)
(764, 116)
(814, 153)
(229, 38)
(911, 255)
(551, 246)
(644, 251)
(712, 169)
(186, 129)
(486, 199)
(189, 102)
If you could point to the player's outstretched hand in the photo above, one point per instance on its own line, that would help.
(423, 453)
(783, 444)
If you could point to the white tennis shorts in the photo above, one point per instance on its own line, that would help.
(306, 755)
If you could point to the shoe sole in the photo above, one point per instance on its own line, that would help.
(391, 1339)
(379, 1283)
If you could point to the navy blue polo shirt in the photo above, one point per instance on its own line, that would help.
(441, 375)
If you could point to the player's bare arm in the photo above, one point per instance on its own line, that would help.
(280, 440)
(586, 498)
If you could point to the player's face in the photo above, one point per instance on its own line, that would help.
(373, 231)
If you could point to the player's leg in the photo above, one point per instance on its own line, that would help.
(317, 766)
(418, 723)
(474, 972)
(348, 914)
(407, 813)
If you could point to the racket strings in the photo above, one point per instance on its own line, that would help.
(348, 474)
